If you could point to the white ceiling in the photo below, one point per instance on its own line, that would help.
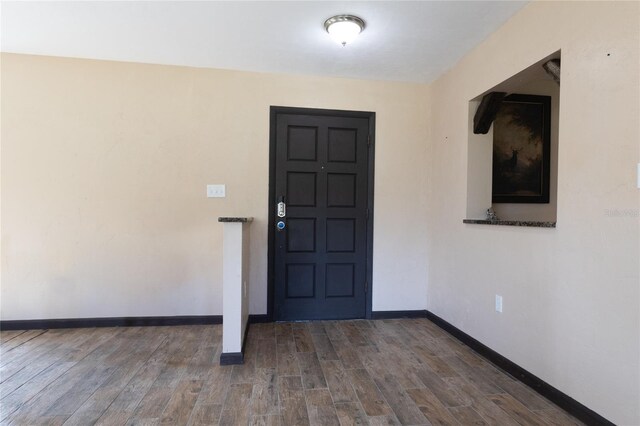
(403, 41)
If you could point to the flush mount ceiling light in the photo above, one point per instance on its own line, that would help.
(344, 28)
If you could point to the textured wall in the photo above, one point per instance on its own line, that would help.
(571, 295)
(104, 168)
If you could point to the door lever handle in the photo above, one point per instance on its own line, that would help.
(282, 209)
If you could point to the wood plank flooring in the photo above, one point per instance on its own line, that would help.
(382, 372)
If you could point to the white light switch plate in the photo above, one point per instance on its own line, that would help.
(638, 176)
(216, 191)
(498, 303)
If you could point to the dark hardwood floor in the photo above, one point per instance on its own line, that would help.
(379, 372)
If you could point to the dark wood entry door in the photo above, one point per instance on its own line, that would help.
(321, 242)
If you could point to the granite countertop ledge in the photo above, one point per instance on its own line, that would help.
(529, 223)
(232, 219)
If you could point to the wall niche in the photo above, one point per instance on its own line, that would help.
(512, 148)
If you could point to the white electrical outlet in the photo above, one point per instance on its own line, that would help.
(216, 191)
(498, 303)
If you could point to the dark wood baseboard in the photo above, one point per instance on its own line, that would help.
(42, 324)
(259, 318)
(109, 322)
(554, 395)
(421, 313)
(398, 314)
(231, 358)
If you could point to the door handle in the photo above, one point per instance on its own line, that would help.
(282, 208)
(281, 212)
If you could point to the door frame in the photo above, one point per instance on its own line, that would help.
(371, 116)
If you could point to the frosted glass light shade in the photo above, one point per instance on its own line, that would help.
(344, 28)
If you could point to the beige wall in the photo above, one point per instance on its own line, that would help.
(104, 168)
(571, 295)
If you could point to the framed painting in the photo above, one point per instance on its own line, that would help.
(521, 150)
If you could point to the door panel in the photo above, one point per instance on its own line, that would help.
(320, 258)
